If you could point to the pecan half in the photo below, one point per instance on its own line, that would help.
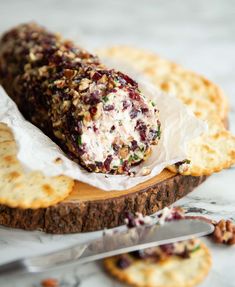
(224, 232)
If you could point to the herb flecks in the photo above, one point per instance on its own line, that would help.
(79, 140)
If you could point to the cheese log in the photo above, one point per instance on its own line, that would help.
(98, 116)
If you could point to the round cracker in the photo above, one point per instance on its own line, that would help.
(172, 78)
(22, 189)
(5, 133)
(211, 152)
(173, 272)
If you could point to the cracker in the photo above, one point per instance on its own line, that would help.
(215, 149)
(172, 78)
(22, 189)
(172, 272)
(211, 152)
(5, 133)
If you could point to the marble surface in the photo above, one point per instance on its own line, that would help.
(198, 34)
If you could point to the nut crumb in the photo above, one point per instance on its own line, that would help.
(58, 160)
(50, 282)
(146, 171)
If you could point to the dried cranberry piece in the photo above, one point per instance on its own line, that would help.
(145, 253)
(72, 65)
(108, 108)
(130, 219)
(80, 150)
(123, 262)
(55, 59)
(144, 110)
(126, 104)
(134, 95)
(141, 128)
(134, 145)
(112, 128)
(93, 99)
(127, 79)
(95, 129)
(125, 166)
(96, 76)
(134, 113)
(142, 135)
(139, 254)
(107, 162)
(79, 127)
(93, 110)
(115, 147)
(177, 216)
(168, 248)
(113, 91)
(185, 254)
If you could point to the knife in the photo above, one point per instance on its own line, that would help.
(110, 245)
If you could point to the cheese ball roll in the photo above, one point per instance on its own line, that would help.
(97, 115)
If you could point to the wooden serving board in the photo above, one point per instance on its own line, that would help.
(89, 208)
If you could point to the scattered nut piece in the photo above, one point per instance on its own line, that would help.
(84, 84)
(104, 79)
(58, 160)
(43, 71)
(60, 83)
(50, 282)
(146, 171)
(65, 106)
(184, 167)
(32, 57)
(224, 232)
(87, 117)
(98, 111)
(69, 74)
(123, 152)
(120, 169)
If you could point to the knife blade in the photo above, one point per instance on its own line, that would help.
(110, 245)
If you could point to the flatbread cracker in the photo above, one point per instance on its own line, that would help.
(173, 272)
(5, 133)
(212, 152)
(27, 190)
(215, 149)
(171, 77)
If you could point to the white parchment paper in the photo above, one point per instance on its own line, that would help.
(38, 152)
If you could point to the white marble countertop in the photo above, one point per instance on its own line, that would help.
(198, 34)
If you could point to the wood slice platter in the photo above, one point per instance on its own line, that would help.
(89, 208)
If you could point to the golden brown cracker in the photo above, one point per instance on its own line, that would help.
(5, 133)
(19, 188)
(172, 272)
